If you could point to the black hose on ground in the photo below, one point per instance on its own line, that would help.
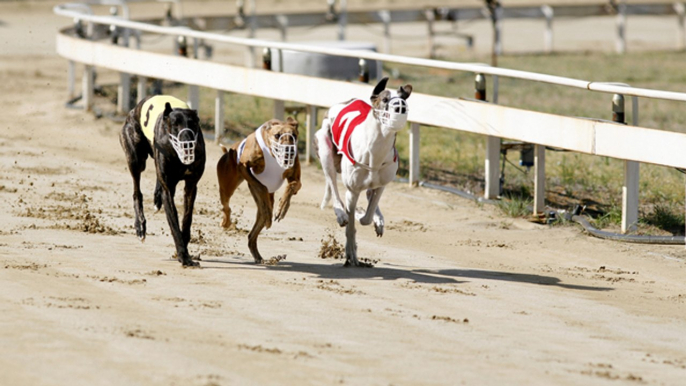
(593, 231)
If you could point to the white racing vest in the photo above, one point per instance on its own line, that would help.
(272, 175)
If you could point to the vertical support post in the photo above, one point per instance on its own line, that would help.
(414, 154)
(87, 88)
(124, 93)
(193, 90)
(193, 97)
(631, 173)
(282, 23)
(342, 19)
(364, 71)
(71, 79)
(311, 125)
(492, 164)
(548, 34)
(252, 25)
(142, 90)
(279, 109)
(681, 34)
(385, 16)
(218, 116)
(430, 19)
(539, 180)
(620, 44)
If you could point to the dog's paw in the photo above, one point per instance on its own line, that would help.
(142, 239)
(341, 217)
(191, 264)
(378, 227)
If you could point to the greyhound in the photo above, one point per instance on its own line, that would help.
(357, 140)
(265, 159)
(164, 128)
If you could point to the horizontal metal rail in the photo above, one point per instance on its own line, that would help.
(64, 10)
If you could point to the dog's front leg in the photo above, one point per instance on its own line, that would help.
(292, 189)
(350, 243)
(373, 212)
(173, 220)
(190, 193)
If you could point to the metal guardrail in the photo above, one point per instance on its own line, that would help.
(594, 137)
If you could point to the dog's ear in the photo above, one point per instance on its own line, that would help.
(293, 123)
(167, 110)
(379, 88)
(166, 124)
(405, 91)
(194, 117)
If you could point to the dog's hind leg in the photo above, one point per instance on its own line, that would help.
(157, 196)
(229, 179)
(136, 149)
(265, 208)
(326, 154)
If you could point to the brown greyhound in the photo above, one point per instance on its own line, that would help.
(164, 128)
(265, 159)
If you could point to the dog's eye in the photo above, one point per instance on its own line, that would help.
(277, 136)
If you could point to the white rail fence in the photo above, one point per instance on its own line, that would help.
(632, 143)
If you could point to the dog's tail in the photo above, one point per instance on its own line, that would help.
(224, 149)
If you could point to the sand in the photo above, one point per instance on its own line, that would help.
(460, 294)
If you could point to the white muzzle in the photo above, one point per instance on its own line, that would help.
(395, 115)
(285, 154)
(184, 149)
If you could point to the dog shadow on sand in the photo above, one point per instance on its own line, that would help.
(334, 270)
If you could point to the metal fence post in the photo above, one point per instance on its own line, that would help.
(430, 19)
(71, 79)
(267, 57)
(142, 90)
(385, 16)
(631, 173)
(681, 34)
(87, 87)
(539, 179)
(620, 45)
(548, 34)
(218, 116)
(364, 71)
(492, 163)
(311, 126)
(414, 154)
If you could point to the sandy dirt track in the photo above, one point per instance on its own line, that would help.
(460, 295)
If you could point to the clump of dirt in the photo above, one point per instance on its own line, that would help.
(199, 239)
(77, 209)
(331, 248)
(259, 348)
(275, 260)
(407, 226)
(449, 319)
(91, 224)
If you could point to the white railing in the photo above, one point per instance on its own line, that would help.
(631, 143)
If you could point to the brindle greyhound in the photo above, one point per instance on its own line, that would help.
(166, 129)
(266, 158)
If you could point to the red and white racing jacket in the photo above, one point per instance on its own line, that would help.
(347, 120)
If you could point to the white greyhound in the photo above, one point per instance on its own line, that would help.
(358, 140)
